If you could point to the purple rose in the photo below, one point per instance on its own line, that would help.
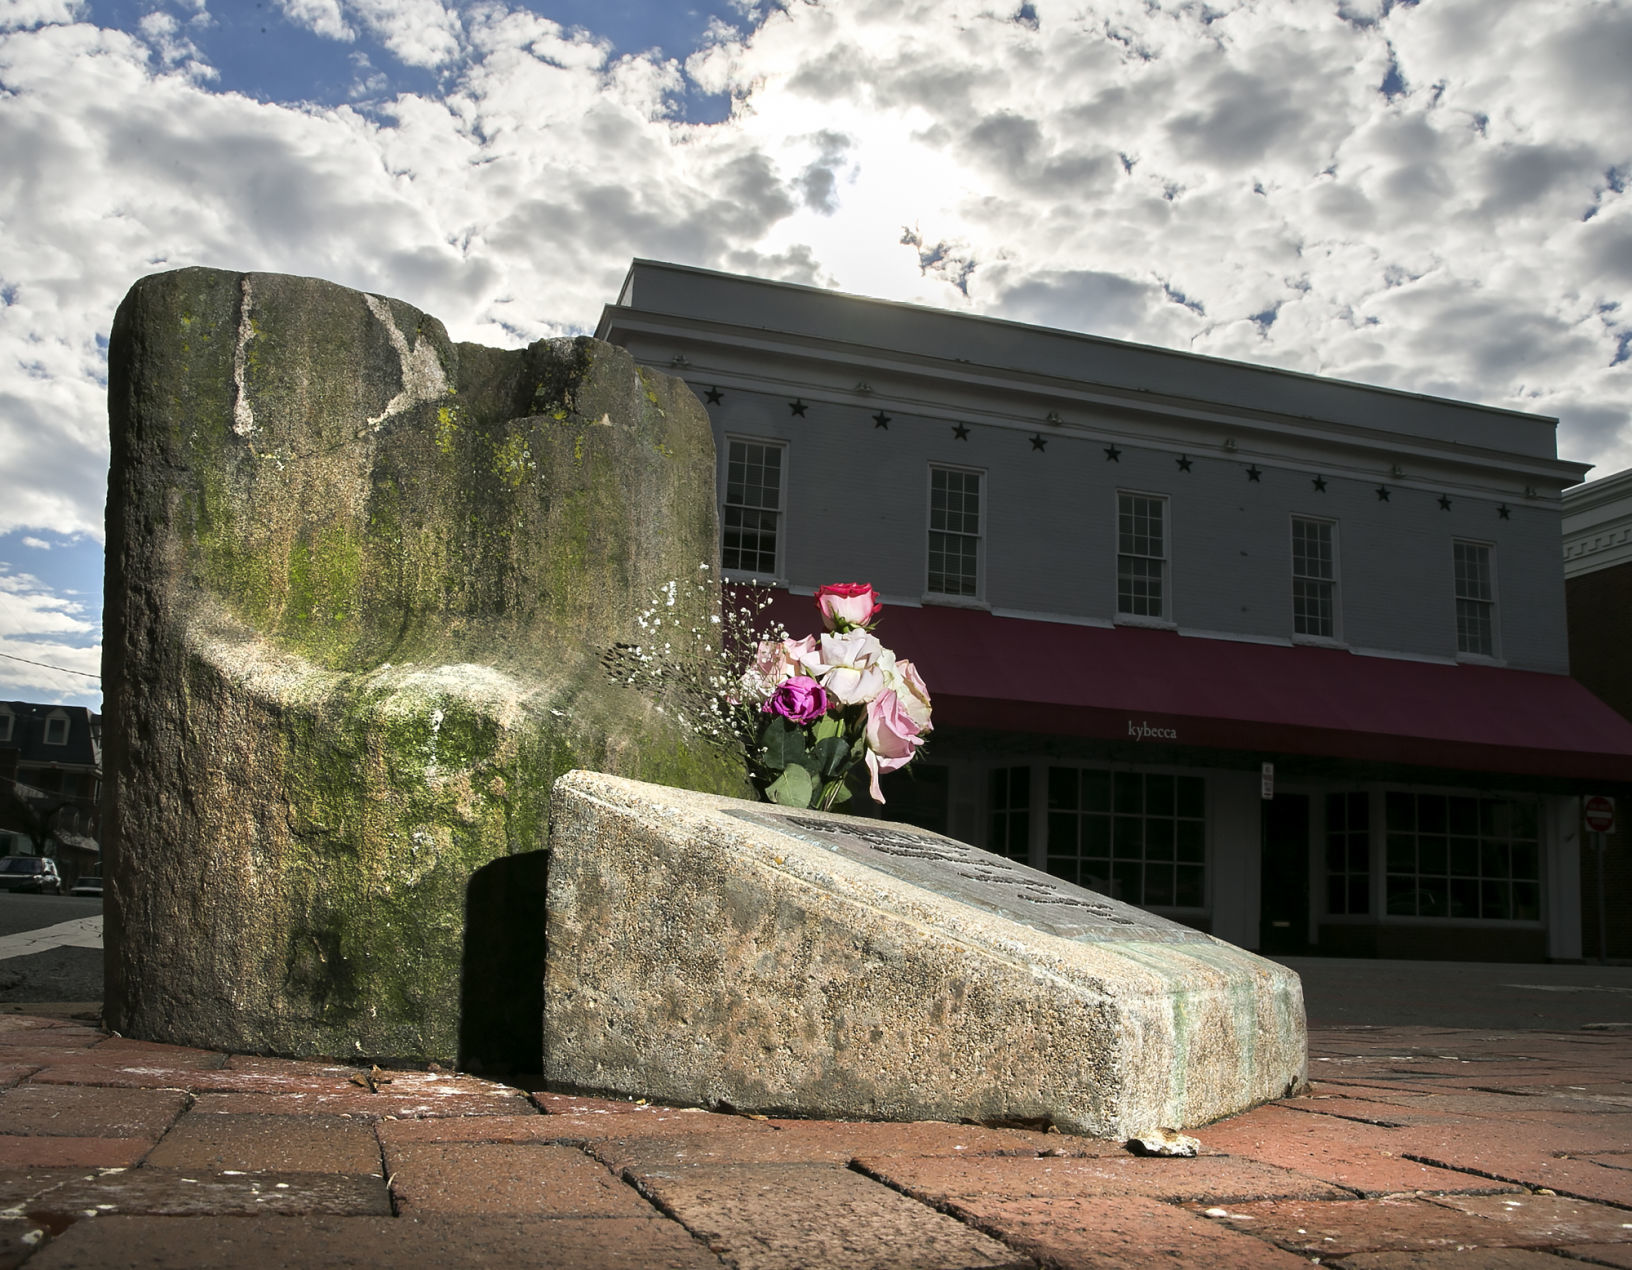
(798, 700)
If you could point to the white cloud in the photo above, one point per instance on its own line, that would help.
(1228, 178)
(20, 15)
(40, 658)
(417, 32)
(320, 17)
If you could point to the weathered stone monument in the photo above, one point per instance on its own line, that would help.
(361, 583)
(370, 592)
(706, 950)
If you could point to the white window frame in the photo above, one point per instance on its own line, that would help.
(1165, 617)
(55, 718)
(779, 573)
(1491, 602)
(1334, 582)
(978, 596)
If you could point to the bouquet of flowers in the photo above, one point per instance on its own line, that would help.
(830, 703)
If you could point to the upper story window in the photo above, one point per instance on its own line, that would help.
(1141, 555)
(1475, 600)
(56, 729)
(1314, 577)
(5, 726)
(954, 532)
(751, 520)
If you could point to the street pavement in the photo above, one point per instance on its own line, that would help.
(1504, 1140)
(50, 949)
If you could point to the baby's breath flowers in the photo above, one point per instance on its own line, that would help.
(695, 639)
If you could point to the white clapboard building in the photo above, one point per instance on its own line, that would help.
(1279, 656)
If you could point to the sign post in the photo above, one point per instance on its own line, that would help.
(1598, 813)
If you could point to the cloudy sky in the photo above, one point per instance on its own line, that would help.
(1430, 195)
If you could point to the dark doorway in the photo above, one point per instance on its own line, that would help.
(1283, 872)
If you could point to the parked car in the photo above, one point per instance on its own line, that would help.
(30, 873)
(89, 884)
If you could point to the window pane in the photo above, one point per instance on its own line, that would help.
(1141, 554)
(751, 516)
(1483, 869)
(954, 533)
(1348, 853)
(1008, 800)
(1475, 600)
(1139, 847)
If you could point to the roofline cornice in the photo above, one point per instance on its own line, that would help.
(730, 356)
(1098, 341)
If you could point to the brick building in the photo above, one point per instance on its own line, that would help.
(1598, 593)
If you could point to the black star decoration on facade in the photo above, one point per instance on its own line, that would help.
(1382, 493)
(714, 395)
(798, 407)
(1184, 462)
(881, 420)
(1038, 441)
(961, 431)
(1505, 512)
(1112, 454)
(1254, 475)
(1320, 484)
(1444, 502)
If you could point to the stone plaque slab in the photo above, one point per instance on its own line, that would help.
(708, 951)
(970, 875)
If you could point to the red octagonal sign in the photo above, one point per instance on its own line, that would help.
(1599, 813)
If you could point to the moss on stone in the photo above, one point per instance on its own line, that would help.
(355, 622)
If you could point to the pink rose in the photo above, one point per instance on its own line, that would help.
(892, 738)
(798, 700)
(846, 605)
(915, 700)
(774, 661)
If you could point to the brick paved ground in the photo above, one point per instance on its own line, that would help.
(1415, 1147)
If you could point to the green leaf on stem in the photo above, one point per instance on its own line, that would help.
(792, 789)
(833, 793)
(830, 754)
(826, 726)
(781, 744)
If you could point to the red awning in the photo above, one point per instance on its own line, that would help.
(1132, 684)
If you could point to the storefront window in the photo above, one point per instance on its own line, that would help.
(1135, 836)
(1463, 856)
(1348, 853)
(1008, 828)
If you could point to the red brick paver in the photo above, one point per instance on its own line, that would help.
(270, 1144)
(89, 1111)
(1365, 1158)
(401, 1243)
(528, 1179)
(1115, 1234)
(1216, 1179)
(1416, 1147)
(783, 1216)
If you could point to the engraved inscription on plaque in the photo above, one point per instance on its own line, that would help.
(993, 883)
